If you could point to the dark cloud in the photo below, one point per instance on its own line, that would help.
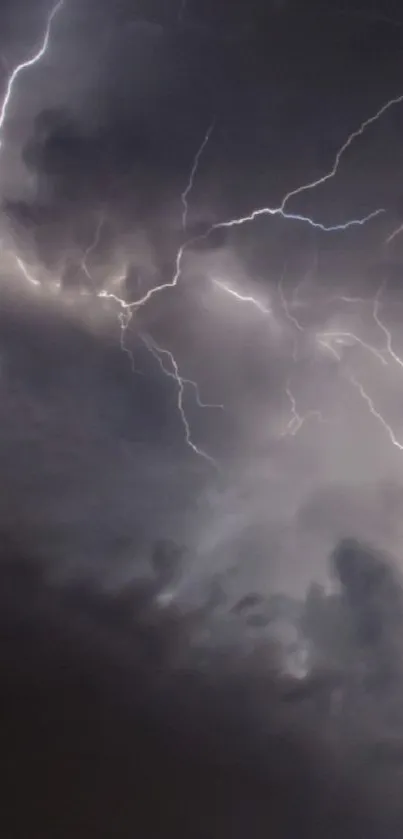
(185, 667)
(104, 736)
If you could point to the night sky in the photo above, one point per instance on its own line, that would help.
(184, 353)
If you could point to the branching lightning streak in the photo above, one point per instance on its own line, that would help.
(297, 420)
(376, 302)
(176, 375)
(186, 192)
(25, 65)
(281, 209)
(331, 340)
(158, 354)
(128, 309)
(124, 320)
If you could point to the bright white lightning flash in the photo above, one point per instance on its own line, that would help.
(281, 209)
(243, 298)
(25, 65)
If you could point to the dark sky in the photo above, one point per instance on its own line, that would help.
(251, 409)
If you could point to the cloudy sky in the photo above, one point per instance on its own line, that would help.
(144, 128)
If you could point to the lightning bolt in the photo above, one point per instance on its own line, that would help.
(127, 310)
(376, 304)
(375, 413)
(25, 65)
(394, 234)
(174, 374)
(297, 420)
(26, 272)
(193, 172)
(93, 246)
(243, 298)
(281, 209)
(385, 330)
(290, 317)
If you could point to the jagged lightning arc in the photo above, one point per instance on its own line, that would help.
(375, 413)
(127, 310)
(159, 353)
(25, 65)
(281, 209)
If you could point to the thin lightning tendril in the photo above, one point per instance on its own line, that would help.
(375, 413)
(281, 209)
(189, 186)
(297, 420)
(385, 330)
(93, 245)
(159, 353)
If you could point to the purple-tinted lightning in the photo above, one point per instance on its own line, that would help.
(281, 209)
